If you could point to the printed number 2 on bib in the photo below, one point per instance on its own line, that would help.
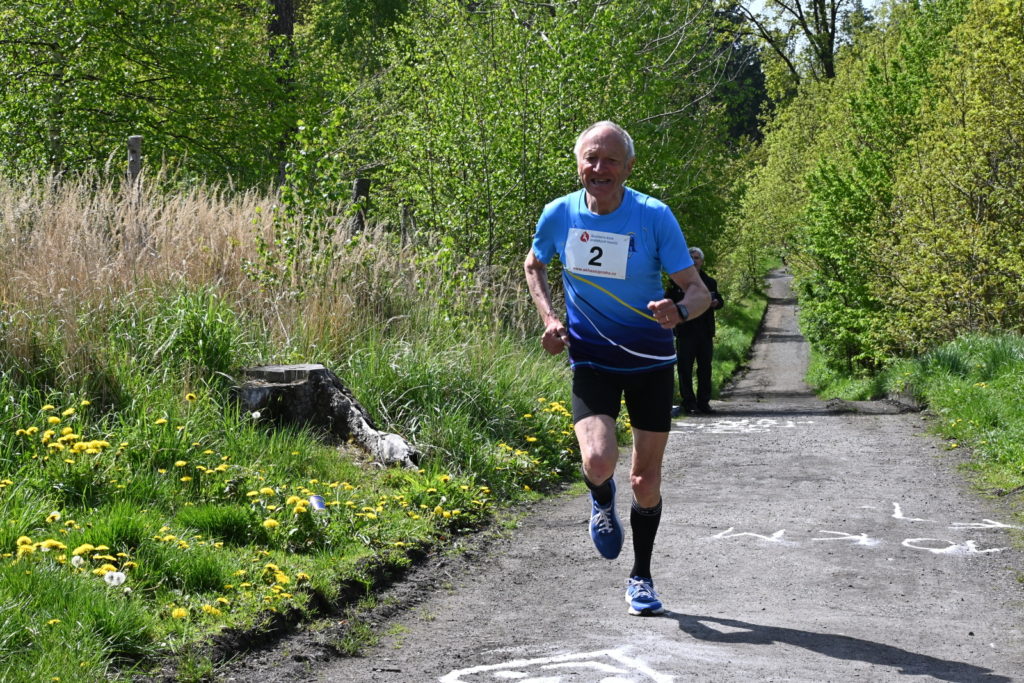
(600, 254)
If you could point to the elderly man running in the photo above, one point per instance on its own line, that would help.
(613, 243)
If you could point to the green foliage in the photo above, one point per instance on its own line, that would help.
(463, 134)
(958, 207)
(893, 193)
(196, 80)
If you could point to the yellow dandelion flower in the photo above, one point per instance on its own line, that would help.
(48, 406)
(53, 622)
(210, 609)
(180, 463)
(66, 430)
(83, 549)
(271, 523)
(84, 403)
(531, 439)
(53, 419)
(223, 601)
(267, 491)
(179, 613)
(190, 397)
(69, 412)
(161, 421)
(186, 478)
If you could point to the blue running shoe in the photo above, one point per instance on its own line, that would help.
(643, 601)
(605, 530)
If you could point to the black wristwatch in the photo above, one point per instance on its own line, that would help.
(682, 310)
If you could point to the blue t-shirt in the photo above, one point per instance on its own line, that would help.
(612, 267)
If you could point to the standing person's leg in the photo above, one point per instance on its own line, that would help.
(685, 356)
(704, 351)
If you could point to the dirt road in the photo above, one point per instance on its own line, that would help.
(800, 541)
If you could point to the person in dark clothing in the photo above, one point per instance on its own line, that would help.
(694, 343)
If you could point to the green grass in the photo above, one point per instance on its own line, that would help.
(736, 325)
(973, 386)
(829, 383)
(201, 509)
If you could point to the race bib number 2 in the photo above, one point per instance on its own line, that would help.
(602, 254)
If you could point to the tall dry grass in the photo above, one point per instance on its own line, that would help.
(73, 248)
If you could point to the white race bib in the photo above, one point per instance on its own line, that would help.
(603, 254)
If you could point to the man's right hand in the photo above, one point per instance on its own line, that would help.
(555, 338)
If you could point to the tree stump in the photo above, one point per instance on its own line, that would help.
(313, 396)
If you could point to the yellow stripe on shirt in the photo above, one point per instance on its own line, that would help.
(597, 286)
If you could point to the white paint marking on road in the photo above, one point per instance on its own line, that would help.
(774, 538)
(983, 524)
(742, 426)
(950, 547)
(519, 669)
(898, 514)
(858, 539)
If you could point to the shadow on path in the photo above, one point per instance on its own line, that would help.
(836, 646)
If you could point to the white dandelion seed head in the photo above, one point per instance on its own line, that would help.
(255, 414)
(77, 561)
(114, 578)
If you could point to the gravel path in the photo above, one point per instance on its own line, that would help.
(800, 541)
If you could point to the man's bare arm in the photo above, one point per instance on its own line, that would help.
(555, 337)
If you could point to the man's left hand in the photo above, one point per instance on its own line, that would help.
(665, 313)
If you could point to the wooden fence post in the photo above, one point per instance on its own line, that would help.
(134, 158)
(360, 197)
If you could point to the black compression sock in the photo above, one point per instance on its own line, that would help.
(602, 492)
(644, 524)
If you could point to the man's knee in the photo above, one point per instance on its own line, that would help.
(598, 468)
(646, 488)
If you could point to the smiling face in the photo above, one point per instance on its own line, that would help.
(603, 165)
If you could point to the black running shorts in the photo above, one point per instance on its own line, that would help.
(648, 396)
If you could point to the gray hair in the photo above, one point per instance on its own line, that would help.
(626, 139)
(698, 251)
